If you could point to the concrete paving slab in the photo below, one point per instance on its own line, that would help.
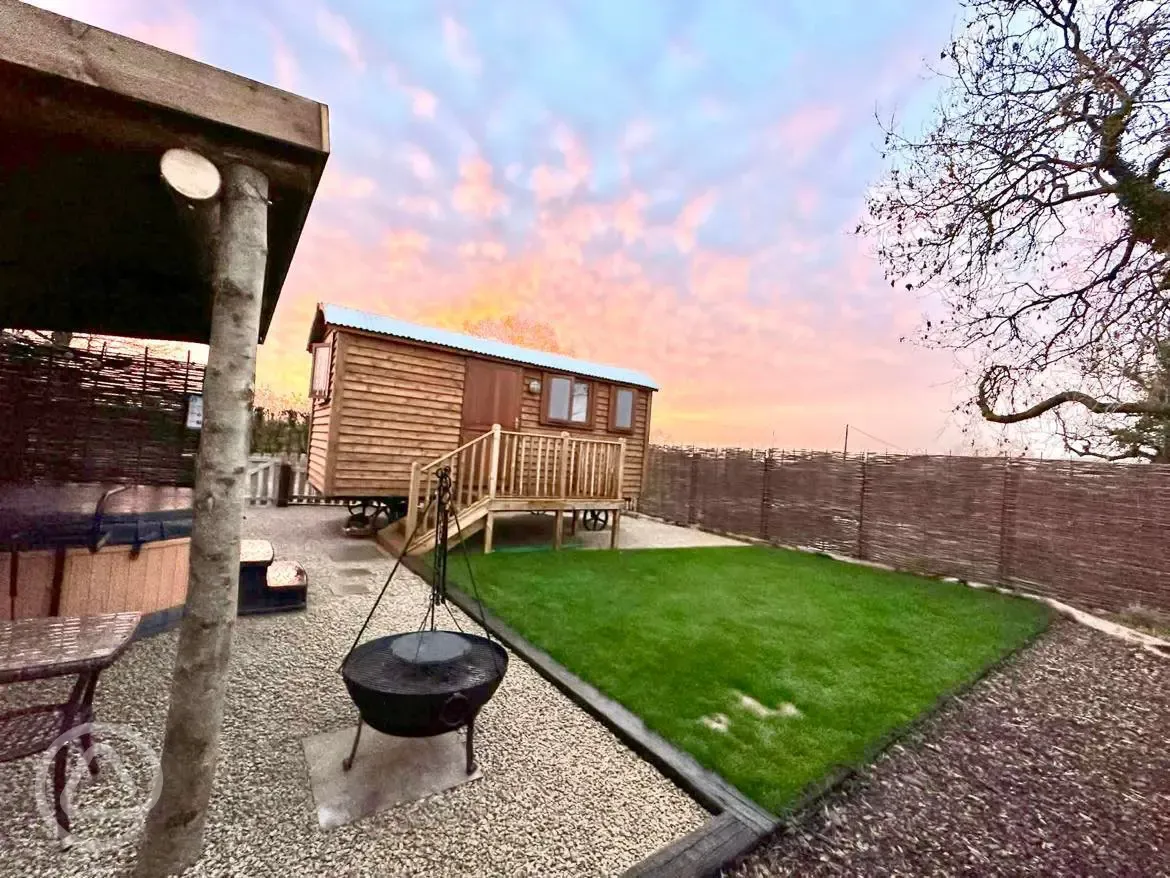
(344, 553)
(387, 771)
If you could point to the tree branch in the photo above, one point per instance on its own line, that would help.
(991, 379)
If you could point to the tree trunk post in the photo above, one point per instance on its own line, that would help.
(173, 836)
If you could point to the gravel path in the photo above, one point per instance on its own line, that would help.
(559, 796)
(1057, 765)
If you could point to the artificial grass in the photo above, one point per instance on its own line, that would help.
(676, 634)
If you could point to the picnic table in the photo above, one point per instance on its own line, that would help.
(41, 648)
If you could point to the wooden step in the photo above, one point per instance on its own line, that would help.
(471, 521)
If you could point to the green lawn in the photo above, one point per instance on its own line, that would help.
(680, 634)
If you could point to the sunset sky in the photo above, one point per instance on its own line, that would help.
(670, 186)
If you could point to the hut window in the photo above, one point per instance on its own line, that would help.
(320, 384)
(621, 409)
(567, 401)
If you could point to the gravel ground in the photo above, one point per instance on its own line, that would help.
(560, 795)
(1059, 764)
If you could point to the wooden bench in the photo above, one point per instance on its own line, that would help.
(268, 585)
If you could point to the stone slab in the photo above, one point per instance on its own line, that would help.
(348, 589)
(387, 771)
(343, 553)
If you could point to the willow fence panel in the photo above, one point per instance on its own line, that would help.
(1094, 534)
(109, 414)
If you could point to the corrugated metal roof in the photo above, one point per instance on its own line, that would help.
(338, 315)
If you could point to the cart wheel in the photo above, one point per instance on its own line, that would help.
(381, 516)
(595, 519)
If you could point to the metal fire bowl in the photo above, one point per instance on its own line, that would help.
(415, 690)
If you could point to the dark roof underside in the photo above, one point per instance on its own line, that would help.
(91, 239)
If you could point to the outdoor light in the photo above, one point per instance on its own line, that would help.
(534, 385)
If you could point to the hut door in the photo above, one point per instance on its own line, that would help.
(491, 395)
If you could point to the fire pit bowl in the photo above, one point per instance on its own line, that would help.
(424, 683)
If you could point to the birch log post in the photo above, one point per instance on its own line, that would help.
(173, 837)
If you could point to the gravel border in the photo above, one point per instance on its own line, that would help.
(560, 794)
(1057, 764)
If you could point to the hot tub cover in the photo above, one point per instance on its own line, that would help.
(91, 515)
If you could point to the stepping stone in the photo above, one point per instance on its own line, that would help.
(386, 772)
(347, 552)
(348, 589)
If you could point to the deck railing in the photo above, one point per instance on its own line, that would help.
(521, 466)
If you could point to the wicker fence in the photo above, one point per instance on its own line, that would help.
(110, 413)
(1097, 535)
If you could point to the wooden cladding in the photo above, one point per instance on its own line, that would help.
(394, 402)
(1092, 534)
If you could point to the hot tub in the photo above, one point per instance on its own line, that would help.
(85, 548)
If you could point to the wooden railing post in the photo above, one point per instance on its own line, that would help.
(617, 513)
(494, 466)
(562, 490)
(412, 500)
(621, 469)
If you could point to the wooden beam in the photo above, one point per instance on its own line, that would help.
(195, 182)
(62, 47)
(172, 839)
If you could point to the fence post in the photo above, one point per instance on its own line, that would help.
(861, 506)
(693, 489)
(284, 483)
(765, 495)
(1006, 523)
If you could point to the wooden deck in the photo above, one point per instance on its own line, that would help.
(505, 471)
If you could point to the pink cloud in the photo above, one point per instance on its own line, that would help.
(691, 219)
(284, 64)
(420, 205)
(637, 134)
(420, 162)
(168, 24)
(337, 31)
(628, 216)
(422, 102)
(802, 132)
(475, 193)
(807, 199)
(550, 183)
(341, 185)
(404, 247)
(492, 251)
(458, 46)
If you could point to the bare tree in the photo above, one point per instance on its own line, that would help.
(1035, 205)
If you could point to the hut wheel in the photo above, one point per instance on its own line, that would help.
(595, 519)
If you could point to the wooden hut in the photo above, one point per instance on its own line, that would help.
(521, 429)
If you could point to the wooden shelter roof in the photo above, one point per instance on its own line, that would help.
(91, 240)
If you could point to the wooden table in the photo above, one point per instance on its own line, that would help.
(37, 649)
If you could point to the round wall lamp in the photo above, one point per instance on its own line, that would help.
(534, 385)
